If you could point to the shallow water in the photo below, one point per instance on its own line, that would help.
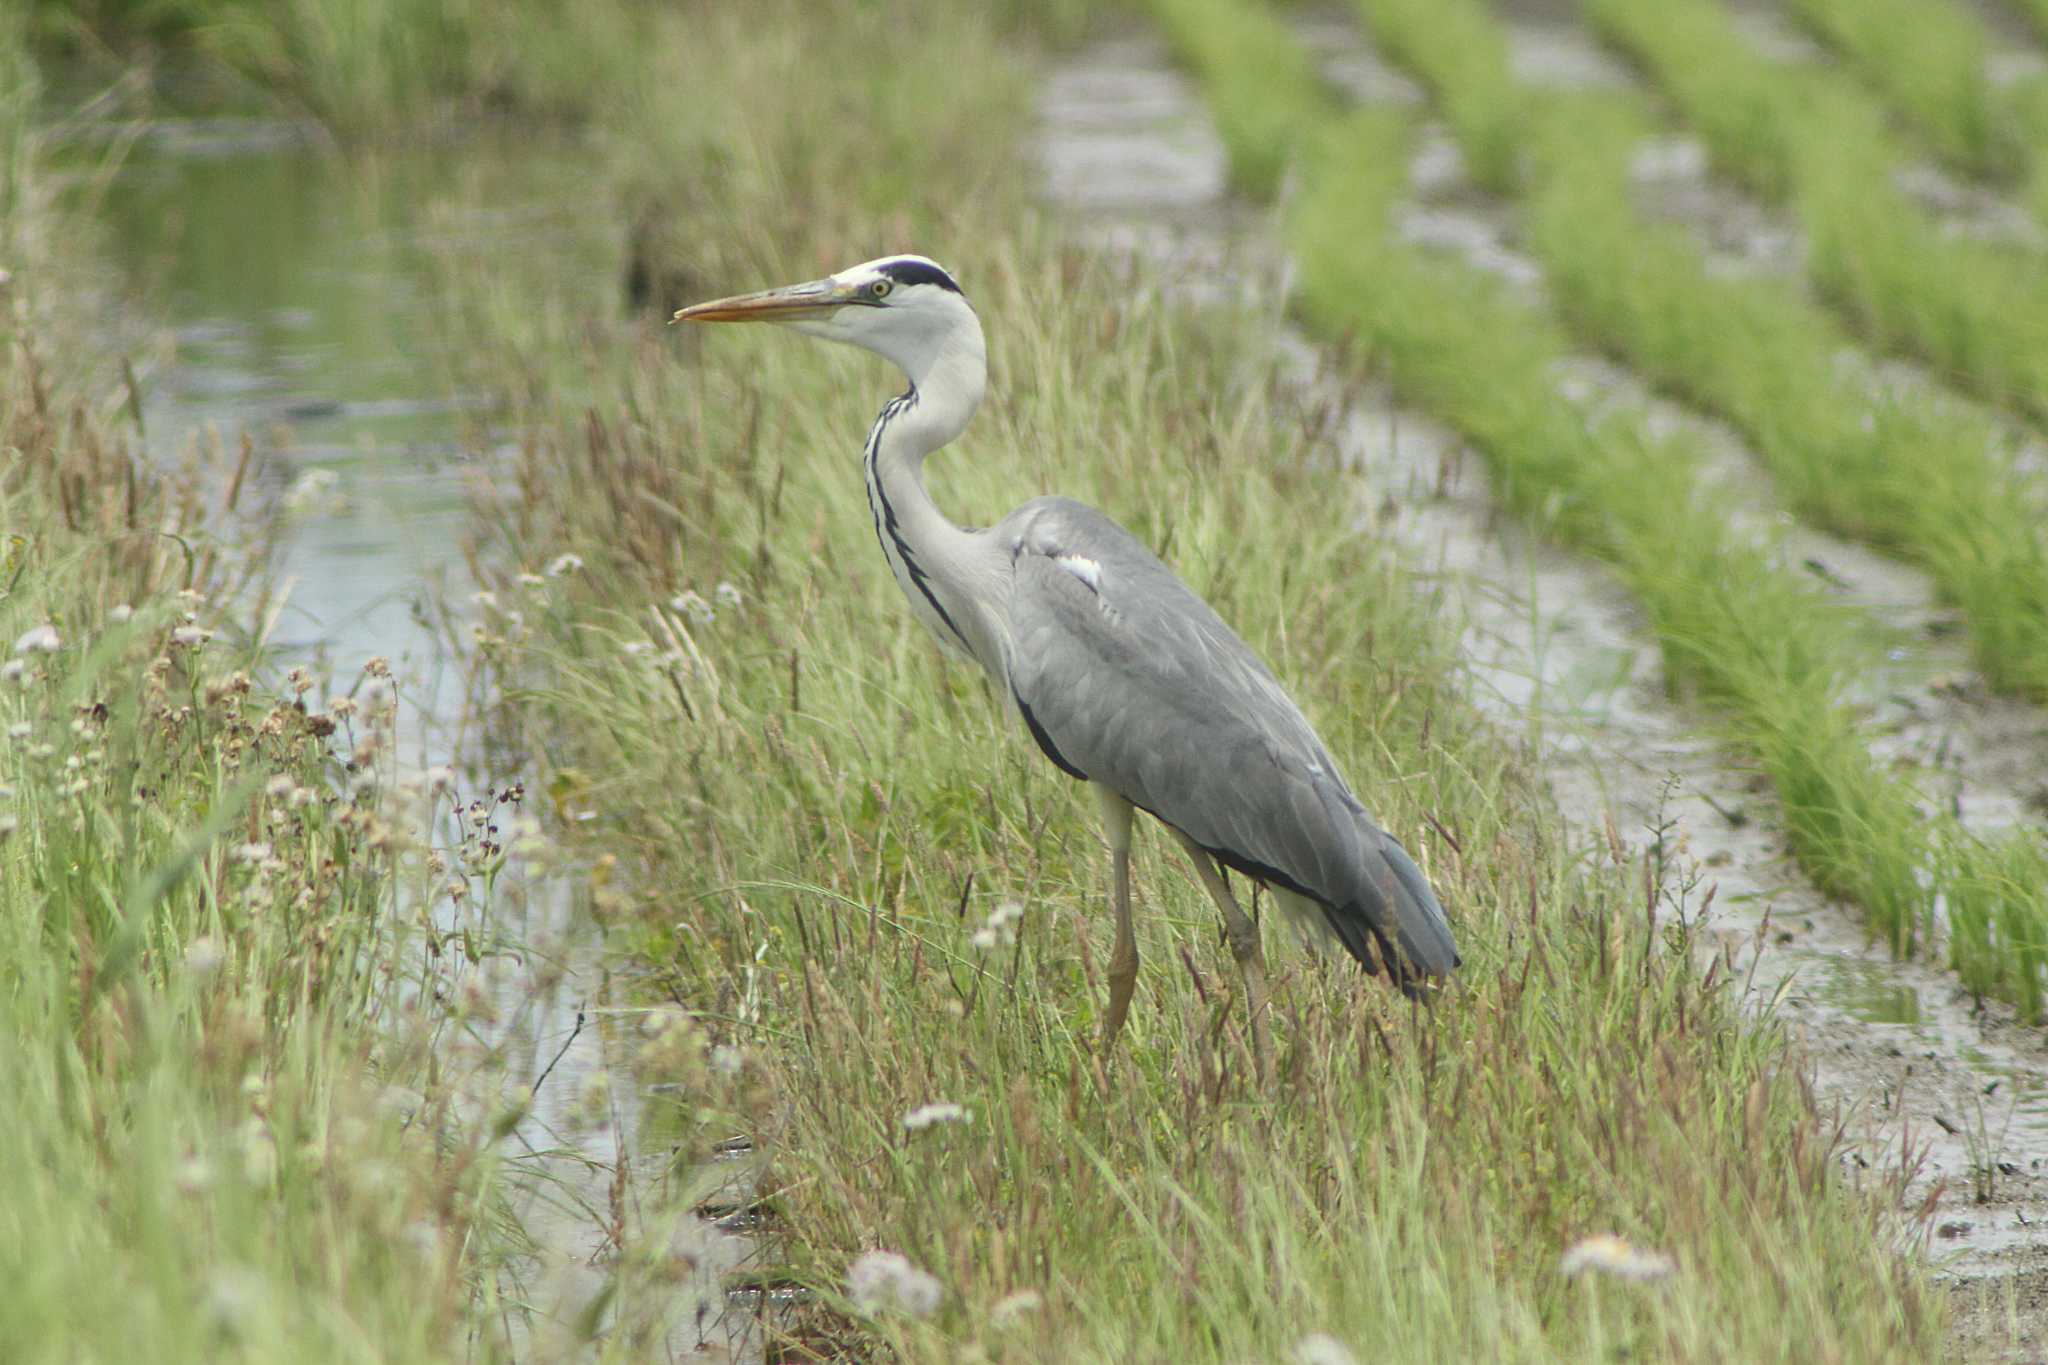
(300, 296)
(298, 289)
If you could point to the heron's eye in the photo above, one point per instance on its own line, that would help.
(879, 289)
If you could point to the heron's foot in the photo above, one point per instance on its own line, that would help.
(1122, 983)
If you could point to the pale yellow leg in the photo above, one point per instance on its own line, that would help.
(1123, 959)
(1244, 946)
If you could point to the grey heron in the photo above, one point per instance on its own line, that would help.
(1125, 678)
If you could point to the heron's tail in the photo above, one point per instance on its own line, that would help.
(1400, 914)
(1421, 928)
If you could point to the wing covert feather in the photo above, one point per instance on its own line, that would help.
(1128, 678)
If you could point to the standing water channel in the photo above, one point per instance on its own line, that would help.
(299, 294)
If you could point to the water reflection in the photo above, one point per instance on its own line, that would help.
(300, 287)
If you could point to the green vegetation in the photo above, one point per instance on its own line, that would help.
(1275, 96)
(1909, 471)
(1969, 308)
(1462, 57)
(249, 974)
(364, 68)
(1928, 57)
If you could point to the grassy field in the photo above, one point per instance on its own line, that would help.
(814, 813)
(255, 1078)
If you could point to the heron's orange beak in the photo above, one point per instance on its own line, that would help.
(817, 299)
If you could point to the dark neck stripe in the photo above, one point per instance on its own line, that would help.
(885, 514)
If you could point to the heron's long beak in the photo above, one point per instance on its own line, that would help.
(817, 299)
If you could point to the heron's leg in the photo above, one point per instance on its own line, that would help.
(1243, 933)
(1123, 960)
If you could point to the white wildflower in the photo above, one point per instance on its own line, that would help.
(193, 1175)
(120, 613)
(21, 729)
(341, 708)
(999, 929)
(13, 670)
(9, 824)
(1320, 1348)
(925, 1115)
(487, 600)
(441, 780)
(203, 957)
(1610, 1255)
(301, 797)
(1013, 1306)
(564, 564)
(882, 1280)
(688, 603)
(635, 648)
(727, 594)
(250, 853)
(279, 786)
(39, 640)
(530, 580)
(191, 636)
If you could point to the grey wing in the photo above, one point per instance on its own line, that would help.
(1125, 677)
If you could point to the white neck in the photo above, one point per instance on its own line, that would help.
(934, 561)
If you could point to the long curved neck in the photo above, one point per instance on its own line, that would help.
(932, 559)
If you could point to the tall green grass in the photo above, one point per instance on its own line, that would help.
(1931, 60)
(204, 992)
(1968, 308)
(812, 813)
(1928, 57)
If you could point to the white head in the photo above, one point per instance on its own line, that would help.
(903, 307)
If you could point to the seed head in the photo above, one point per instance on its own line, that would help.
(926, 1115)
(883, 1280)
